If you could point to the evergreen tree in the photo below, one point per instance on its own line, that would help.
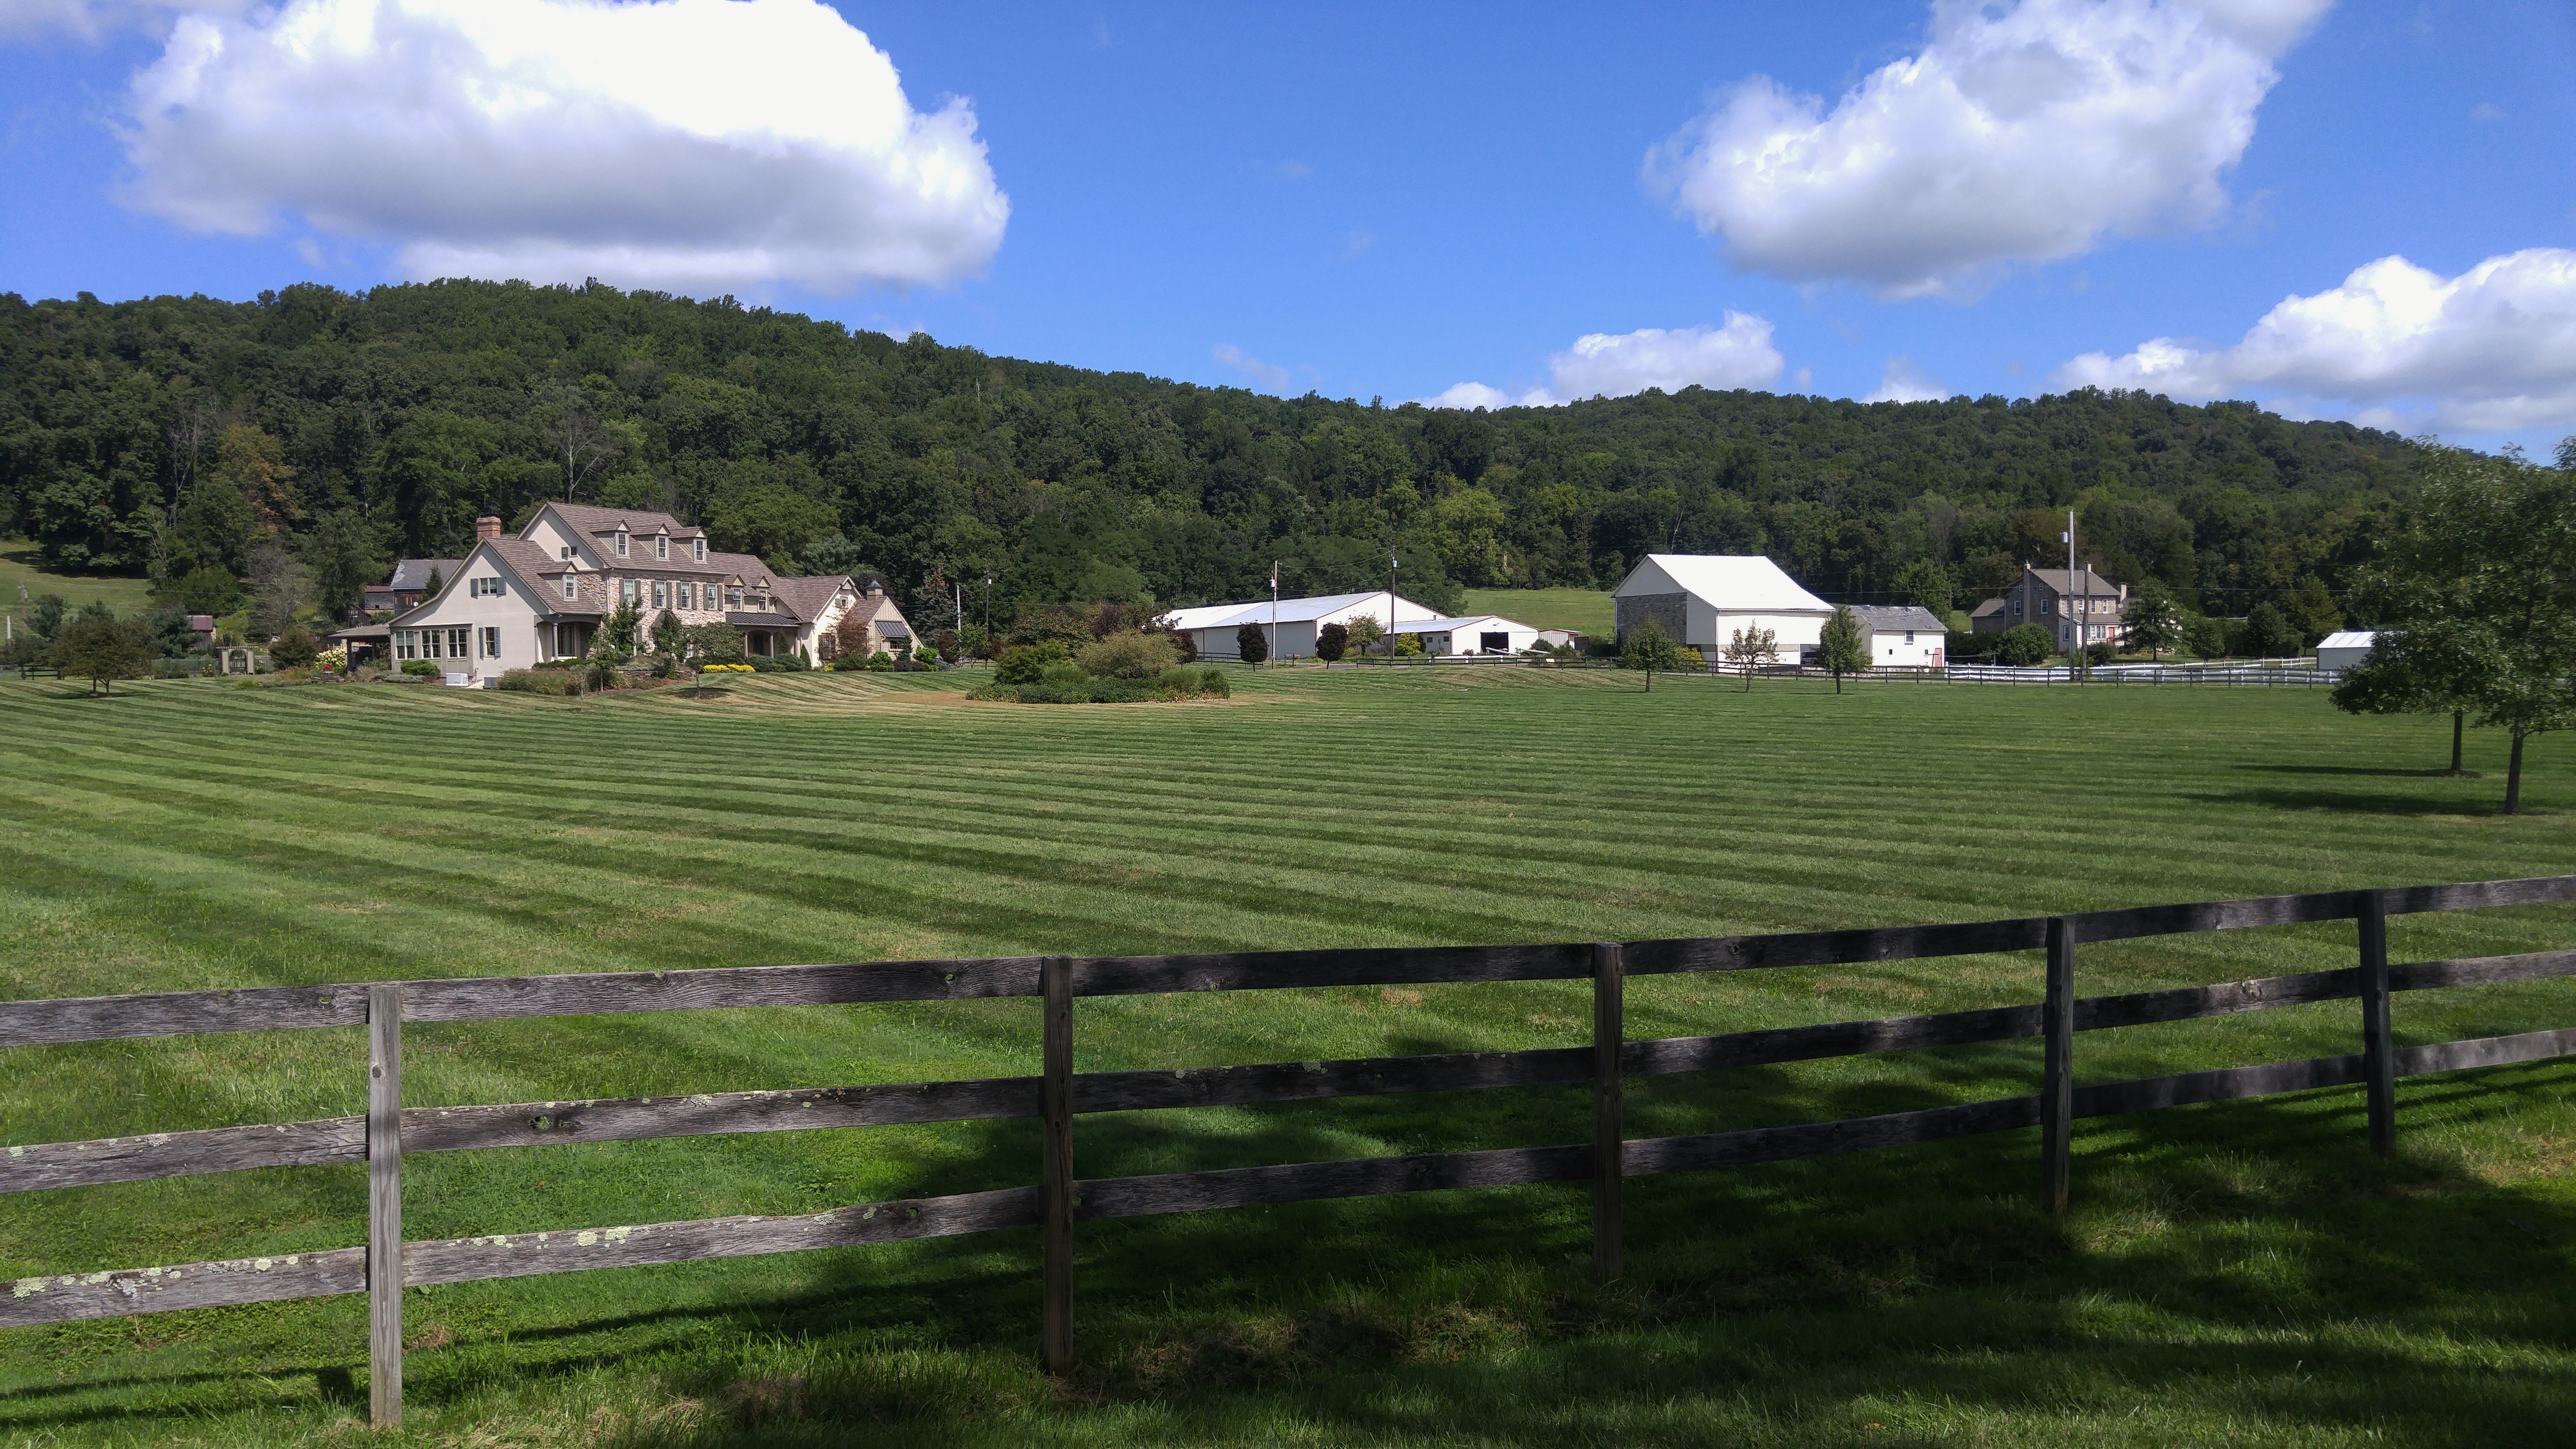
(1252, 644)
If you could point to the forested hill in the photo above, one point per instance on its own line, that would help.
(177, 436)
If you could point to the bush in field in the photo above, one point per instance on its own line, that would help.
(1252, 644)
(2023, 645)
(1214, 684)
(103, 649)
(295, 648)
(1063, 671)
(1130, 655)
(1332, 642)
(558, 682)
(1023, 663)
(420, 668)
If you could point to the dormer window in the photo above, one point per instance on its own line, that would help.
(572, 586)
(661, 545)
(621, 542)
(700, 544)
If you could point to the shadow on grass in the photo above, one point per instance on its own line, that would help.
(2245, 1263)
(2348, 801)
(2360, 770)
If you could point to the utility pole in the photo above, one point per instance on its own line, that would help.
(988, 607)
(1274, 609)
(2075, 656)
(1390, 605)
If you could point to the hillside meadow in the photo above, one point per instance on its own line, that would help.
(2238, 1273)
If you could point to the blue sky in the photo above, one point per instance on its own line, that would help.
(1395, 200)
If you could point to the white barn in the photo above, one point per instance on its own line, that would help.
(1212, 627)
(2343, 649)
(1702, 599)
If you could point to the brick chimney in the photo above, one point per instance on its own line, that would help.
(487, 527)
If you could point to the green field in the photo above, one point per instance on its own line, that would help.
(1588, 610)
(21, 568)
(2238, 1273)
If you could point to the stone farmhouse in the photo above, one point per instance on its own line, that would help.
(538, 598)
(2060, 602)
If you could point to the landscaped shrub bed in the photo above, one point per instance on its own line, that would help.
(1065, 683)
(541, 681)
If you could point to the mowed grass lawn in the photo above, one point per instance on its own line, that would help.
(22, 568)
(2236, 1273)
(1587, 610)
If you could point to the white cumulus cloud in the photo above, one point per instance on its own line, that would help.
(2490, 350)
(1605, 364)
(695, 145)
(1905, 383)
(2022, 132)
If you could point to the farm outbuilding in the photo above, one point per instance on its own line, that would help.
(1479, 634)
(1702, 599)
(2343, 649)
(1293, 626)
(1903, 636)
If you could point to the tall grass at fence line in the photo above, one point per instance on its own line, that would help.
(2240, 1270)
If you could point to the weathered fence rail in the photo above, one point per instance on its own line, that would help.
(1058, 1095)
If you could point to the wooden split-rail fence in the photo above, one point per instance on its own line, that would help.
(387, 1264)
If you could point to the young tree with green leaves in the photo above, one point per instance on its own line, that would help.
(1649, 648)
(1749, 648)
(2151, 620)
(1365, 632)
(103, 649)
(2476, 592)
(1843, 648)
(46, 615)
(668, 634)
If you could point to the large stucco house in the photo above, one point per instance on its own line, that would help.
(513, 603)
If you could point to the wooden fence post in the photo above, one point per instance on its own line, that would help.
(384, 1204)
(2378, 1052)
(2057, 1064)
(1055, 1181)
(1609, 1131)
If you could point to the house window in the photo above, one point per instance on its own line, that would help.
(733, 598)
(701, 546)
(688, 596)
(567, 550)
(406, 644)
(631, 590)
(484, 589)
(661, 594)
(456, 643)
(764, 601)
(491, 642)
(2016, 608)
(572, 586)
(1909, 636)
(661, 545)
(621, 543)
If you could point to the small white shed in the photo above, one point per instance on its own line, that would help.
(1903, 636)
(2343, 649)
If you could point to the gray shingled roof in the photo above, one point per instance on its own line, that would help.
(1876, 617)
(640, 521)
(413, 573)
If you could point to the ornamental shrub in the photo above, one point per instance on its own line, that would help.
(1332, 642)
(558, 682)
(1130, 655)
(2024, 645)
(1252, 644)
(421, 668)
(1024, 663)
(1212, 682)
(295, 648)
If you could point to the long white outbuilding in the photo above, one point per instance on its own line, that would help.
(1291, 625)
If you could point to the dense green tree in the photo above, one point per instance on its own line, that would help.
(2269, 634)
(2477, 592)
(1649, 648)
(46, 614)
(1843, 648)
(1252, 644)
(342, 555)
(2151, 622)
(103, 649)
(1929, 585)
(2023, 645)
(1332, 642)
